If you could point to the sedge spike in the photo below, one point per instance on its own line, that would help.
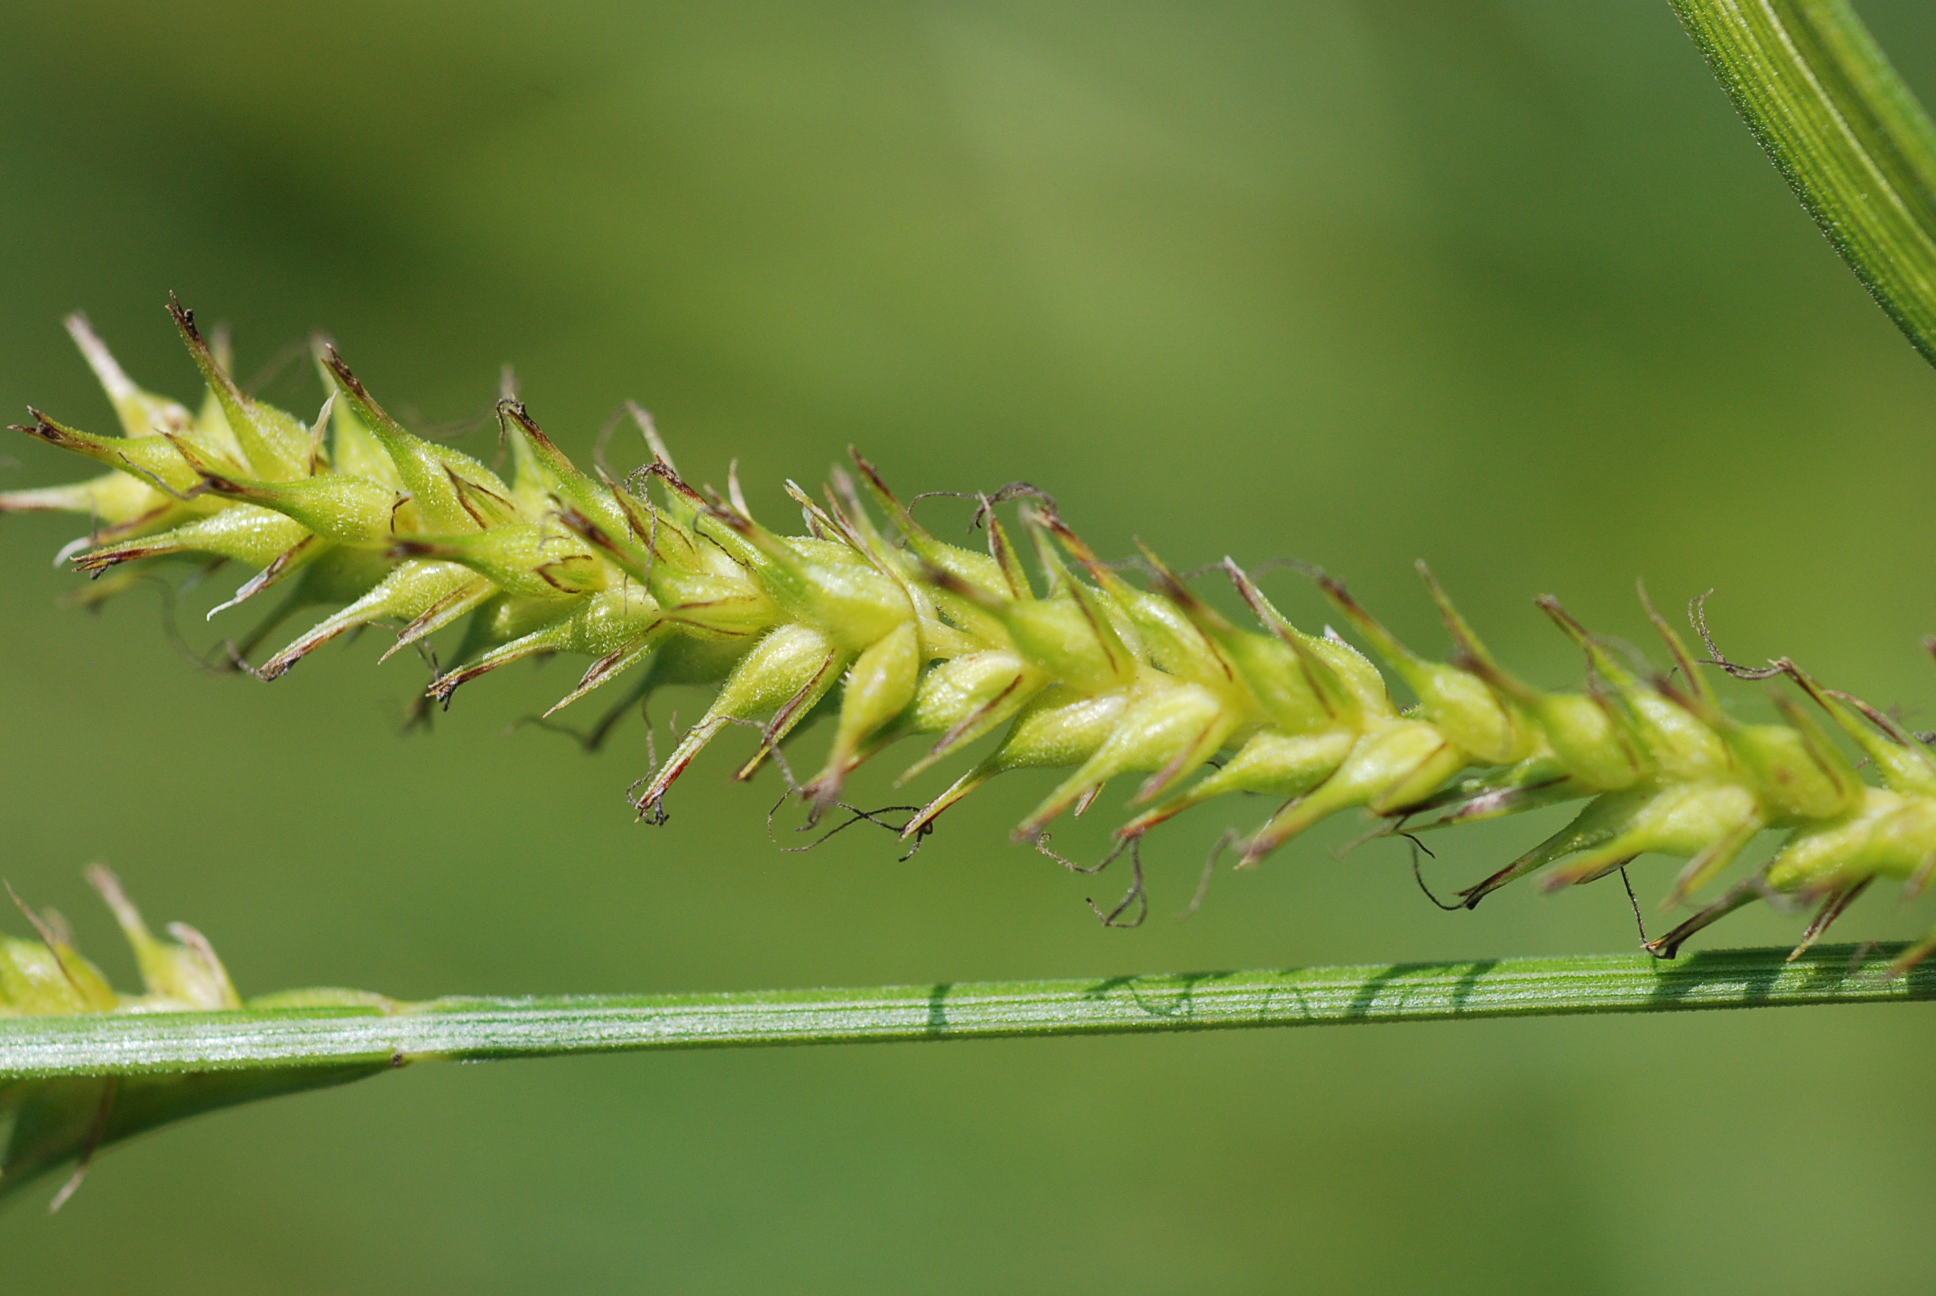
(45, 1123)
(899, 634)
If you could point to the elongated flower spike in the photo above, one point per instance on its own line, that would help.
(46, 1123)
(897, 634)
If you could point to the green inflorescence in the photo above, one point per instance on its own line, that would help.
(48, 977)
(47, 1122)
(1078, 668)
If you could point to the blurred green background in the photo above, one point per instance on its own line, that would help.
(1502, 285)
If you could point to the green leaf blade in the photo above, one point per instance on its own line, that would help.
(38, 1048)
(72, 1085)
(1844, 130)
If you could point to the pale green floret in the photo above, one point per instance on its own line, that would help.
(1796, 780)
(49, 976)
(1169, 637)
(1593, 747)
(611, 621)
(877, 687)
(1098, 674)
(142, 413)
(1058, 727)
(669, 657)
(983, 571)
(354, 452)
(971, 689)
(1393, 766)
(785, 674)
(1902, 845)
(1271, 763)
(274, 445)
(519, 558)
(45, 1123)
(1353, 690)
(245, 533)
(1167, 728)
(39, 979)
(154, 460)
(451, 490)
(543, 471)
(347, 510)
(1071, 642)
(1469, 712)
(179, 974)
(963, 699)
(1677, 744)
(1278, 681)
(502, 619)
(1286, 684)
(406, 593)
(1707, 823)
(116, 499)
(1823, 856)
(1539, 780)
(1904, 763)
(852, 601)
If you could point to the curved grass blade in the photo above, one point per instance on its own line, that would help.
(1846, 133)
